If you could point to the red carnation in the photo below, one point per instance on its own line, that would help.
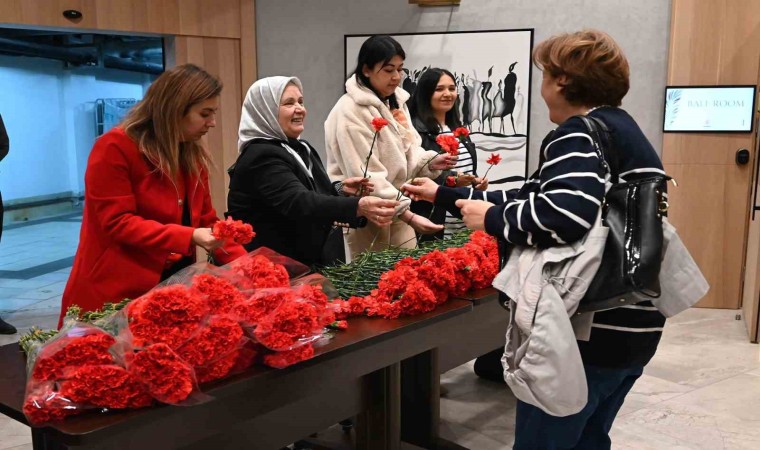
(461, 132)
(215, 340)
(168, 315)
(448, 143)
(167, 377)
(218, 369)
(451, 181)
(378, 123)
(108, 386)
(289, 325)
(261, 303)
(69, 351)
(493, 160)
(259, 272)
(44, 405)
(463, 263)
(438, 272)
(221, 295)
(233, 230)
(281, 360)
(312, 293)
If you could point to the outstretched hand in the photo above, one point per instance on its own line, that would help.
(377, 210)
(474, 213)
(423, 225)
(421, 189)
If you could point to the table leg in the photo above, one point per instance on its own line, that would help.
(379, 428)
(42, 441)
(421, 402)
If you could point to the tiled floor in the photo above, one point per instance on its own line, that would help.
(35, 261)
(700, 391)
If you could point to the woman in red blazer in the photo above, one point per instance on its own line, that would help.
(147, 200)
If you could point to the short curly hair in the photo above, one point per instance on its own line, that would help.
(594, 64)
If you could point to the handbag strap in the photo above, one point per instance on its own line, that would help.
(604, 145)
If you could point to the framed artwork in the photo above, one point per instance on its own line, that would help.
(493, 71)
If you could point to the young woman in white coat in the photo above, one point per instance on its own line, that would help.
(373, 91)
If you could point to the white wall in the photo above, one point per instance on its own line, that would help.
(48, 111)
(305, 38)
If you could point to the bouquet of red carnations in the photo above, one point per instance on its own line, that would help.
(76, 371)
(199, 326)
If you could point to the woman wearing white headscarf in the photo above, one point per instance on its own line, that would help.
(280, 186)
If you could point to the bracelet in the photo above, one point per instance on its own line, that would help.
(410, 219)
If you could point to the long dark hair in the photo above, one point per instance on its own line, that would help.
(421, 109)
(377, 49)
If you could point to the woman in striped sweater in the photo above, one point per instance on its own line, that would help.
(584, 73)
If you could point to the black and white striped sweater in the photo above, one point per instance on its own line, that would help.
(559, 203)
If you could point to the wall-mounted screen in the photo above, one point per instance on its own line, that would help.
(709, 109)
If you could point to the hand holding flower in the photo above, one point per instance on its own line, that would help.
(204, 237)
(377, 210)
(421, 189)
(444, 161)
(465, 180)
(480, 184)
(357, 186)
(474, 213)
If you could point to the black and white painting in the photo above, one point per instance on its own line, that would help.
(492, 71)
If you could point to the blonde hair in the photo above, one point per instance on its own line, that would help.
(597, 71)
(155, 122)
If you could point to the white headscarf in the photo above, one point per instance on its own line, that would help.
(261, 106)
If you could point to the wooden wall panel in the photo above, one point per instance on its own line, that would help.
(700, 215)
(248, 63)
(215, 18)
(741, 46)
(221, 58)
(713, 42)
(147, 16)
(47, 12)
(694, 47)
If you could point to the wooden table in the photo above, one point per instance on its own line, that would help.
(356, 374)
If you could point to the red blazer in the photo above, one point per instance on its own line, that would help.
(131, 224)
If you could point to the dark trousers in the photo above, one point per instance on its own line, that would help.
(588, 429)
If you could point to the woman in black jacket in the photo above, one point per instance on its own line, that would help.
(280, 186)
(435, 111)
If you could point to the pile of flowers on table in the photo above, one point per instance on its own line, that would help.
(206, 323)
(406, 282)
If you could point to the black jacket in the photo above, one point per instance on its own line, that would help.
(290, 212)
(437, 215)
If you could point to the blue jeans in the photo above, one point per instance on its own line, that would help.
(588, 429)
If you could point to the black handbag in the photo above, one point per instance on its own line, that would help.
(633, 211)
